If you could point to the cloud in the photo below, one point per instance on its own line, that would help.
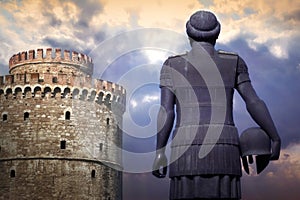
(265, 24)
(3, 69)
(38, 24)
(158, 14)
(280, 180)
(149, 99)
(276, 81)
(156, 56)
(278, 51)
(133, 103)
(264, 33)
(298, 66)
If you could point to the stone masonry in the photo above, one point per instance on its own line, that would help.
(60, 129)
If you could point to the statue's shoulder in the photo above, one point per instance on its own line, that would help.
(177, 60)
(178, 56)
(227, 53)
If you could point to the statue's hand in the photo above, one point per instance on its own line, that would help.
(275, 150)
(160, 165)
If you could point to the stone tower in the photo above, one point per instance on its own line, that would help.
(60, 129)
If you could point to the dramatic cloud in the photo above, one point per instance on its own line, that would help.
(279, 181)
(265, 33)
(259, 23)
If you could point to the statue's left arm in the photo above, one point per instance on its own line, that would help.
(257, 109)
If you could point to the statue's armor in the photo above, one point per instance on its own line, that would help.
(188, 85)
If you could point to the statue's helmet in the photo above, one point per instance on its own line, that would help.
(255, 142)
(203, 26)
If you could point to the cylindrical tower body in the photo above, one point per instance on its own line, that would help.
(60, 129)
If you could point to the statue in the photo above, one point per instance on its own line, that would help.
(216, 174)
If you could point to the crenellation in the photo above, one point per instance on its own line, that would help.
(39, 54)
(17, 57)
(48, 53)
(2, 80)
(67, 55)
(31, 54)
(71, 58)
(57, 54)
(24, 55)
(75, 57)
(14, 59)
(9, 79)
(83, 58)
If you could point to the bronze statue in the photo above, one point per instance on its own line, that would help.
(187, 85)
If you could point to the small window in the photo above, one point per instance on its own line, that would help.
(4, 117)
(100, 146)
(93, 173)
(107, 121)
(63, 144)
(54, 80)
(68, 115)
(26, 116)
(12, 173)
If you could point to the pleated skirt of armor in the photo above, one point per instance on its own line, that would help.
(205, 187)
(215, 176)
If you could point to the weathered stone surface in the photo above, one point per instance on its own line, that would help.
(58, 130)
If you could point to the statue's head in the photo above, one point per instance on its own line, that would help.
(203, 26)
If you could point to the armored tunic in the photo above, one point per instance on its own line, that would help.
(196, 97)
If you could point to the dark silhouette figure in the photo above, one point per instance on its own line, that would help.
(202, 106)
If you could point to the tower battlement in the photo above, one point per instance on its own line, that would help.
(54, 56)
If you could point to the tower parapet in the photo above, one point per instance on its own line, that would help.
(74, 59)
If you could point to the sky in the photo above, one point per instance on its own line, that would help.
(129, 40)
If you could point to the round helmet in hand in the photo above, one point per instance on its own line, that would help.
(255, 142)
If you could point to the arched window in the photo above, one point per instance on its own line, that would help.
(57, 92)
(75, 93)
(18, 92)
(26, 116)
(27, 92)
(93, 173)
(66, 93)
(84, 95)
(4, 117)
(68, 115)
(47, 91)
(12, 173)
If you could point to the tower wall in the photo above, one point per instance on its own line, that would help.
(59, 130)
